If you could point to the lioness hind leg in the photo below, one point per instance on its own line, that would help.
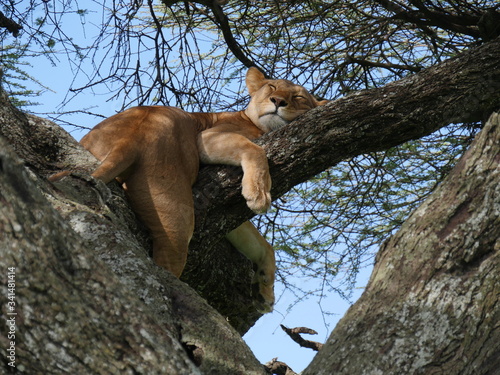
(114, 165)
(247, 240)
(171, 237)
(168, 213)
(170, 251)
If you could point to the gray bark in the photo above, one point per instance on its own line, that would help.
(71, 313)
(432, 305)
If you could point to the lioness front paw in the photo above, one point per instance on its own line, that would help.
(257, 195)
(259, 205)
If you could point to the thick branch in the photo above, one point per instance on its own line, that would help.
(462, 89)
(425, 17)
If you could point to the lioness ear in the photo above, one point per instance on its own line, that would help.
(254, 80)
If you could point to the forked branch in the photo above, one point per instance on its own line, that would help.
(294, 334)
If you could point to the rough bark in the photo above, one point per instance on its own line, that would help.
(68, 313)
(432, 305)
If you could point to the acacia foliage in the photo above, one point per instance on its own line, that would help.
(190, 54)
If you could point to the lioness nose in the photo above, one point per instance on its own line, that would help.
(278, 102)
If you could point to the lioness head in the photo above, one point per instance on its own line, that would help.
(277, 102)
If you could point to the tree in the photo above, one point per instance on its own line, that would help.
(461, 90)
(168, 314)
(333, 49)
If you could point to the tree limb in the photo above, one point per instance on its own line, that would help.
(294, 334)
(425, 18)
(462, 89)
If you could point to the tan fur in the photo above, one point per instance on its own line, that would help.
(247, 239)
(155, 151)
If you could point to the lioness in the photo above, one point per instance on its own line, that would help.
(155, 153)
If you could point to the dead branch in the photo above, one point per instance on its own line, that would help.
(278, 368)
(294, 334)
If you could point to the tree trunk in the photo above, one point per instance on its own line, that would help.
(65, 311)
(432, 305)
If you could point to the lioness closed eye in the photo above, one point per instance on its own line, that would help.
(155, 153)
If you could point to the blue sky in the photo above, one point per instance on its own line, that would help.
(266, 338)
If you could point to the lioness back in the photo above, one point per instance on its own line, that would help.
(145, 137)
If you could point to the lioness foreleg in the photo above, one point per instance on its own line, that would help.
(235, 149)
